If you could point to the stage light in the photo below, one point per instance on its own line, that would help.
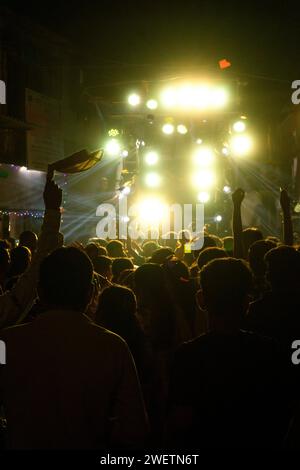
(23, 168)
(225, 151)
(241, 144)
(201, 97)
(151, 104)
(185, 96)
(168, 128)
(126, 190)
(168, 98)
(152, 180)
(218, 218)
(227, 189)
(134, 99)
(239, 126)
(113, 132)
(203, 179)
(151, 211)
(203, 197)
(199, 141)
(181, 129)
(113, 147)
(218, 98)
(151, 158)
(125, 153)
(204, 156)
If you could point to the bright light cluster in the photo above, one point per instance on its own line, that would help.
(187, 96)
(197, 97)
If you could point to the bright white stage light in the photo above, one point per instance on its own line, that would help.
(218, 218)
(113, 147)
(201, 97)
(203, 179)
(204, 156)
(152, 104)
(125, 153)
(151, 210)
(203, 197)
(168, 128)
(227, 189)
(185, 96)
(168, 98)
(134, 99)
(181, 129)
(153, 180)
(241, 144)
(151, 158)
(199, 141)
(218, 98)
(239, 126)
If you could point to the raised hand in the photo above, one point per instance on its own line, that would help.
(52, 195)
(285, 200)
(238, 196)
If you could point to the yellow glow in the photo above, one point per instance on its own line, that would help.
(218, 98)
(152, 104)
(153, 180)
(193, 96)
(113, 147)
(239, 126)
(241, 144)
(134, 99)
(203, 197)
(203, 179)
(151, 210)
(182, 129)
(168, 98)
(185, 96)
(151, 158)
(168, 129)
(204, 156)
(201, 97)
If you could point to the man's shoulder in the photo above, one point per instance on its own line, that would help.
(107, 335)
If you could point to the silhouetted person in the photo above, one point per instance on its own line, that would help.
(277, 313)
(69, 383)
(226, 388)
(119, 265)
(117, 312)
(102, 266)
(20, 261)
(115, 249)
(29, 239)
(4, 267)
(256, 255)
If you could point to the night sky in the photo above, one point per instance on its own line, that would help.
(150, 39)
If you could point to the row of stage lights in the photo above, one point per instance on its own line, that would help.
(185, 97)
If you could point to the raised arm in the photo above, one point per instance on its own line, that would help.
(285, 203)
(13, 304)
(237, 228)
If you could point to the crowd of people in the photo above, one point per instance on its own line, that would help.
(126, 345)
